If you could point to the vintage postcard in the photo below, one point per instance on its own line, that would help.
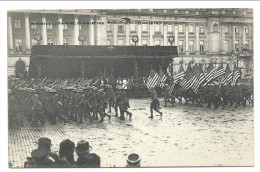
(141, 87)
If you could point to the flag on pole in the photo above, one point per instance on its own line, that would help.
(236, 76)
(163, 78)
(179, 76)
(196, 83)
(227, 77)
(185, 83)
(171, 87)
(209, 74)
(219, 72)
(153, 79)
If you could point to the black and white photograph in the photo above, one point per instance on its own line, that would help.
(130, 87)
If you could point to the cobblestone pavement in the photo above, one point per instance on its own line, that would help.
(185, 136)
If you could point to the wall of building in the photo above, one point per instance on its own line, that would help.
(200, 34)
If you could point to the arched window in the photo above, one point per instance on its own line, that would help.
(215, 27)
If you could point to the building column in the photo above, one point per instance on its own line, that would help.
(151, 28)
(165, 40)
(233, 38)
(115, 34)
(243, 36)
(176, 34)
(91, 31)
(127, 30)
(98, 32)
(76, 30)
(27, 32)
(187, 39)
(60, 30)
(44, 30)
(197, 38)
(139, 33)
(103, 30)
(222, 40)
(10, 34)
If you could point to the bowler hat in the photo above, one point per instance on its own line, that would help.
(83, 147)
(133, 160)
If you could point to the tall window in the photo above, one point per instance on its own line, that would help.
(157, 28)
(201, 46)
(215, 27)
(191, 46)
(144, 42)
(65, 42)
(236, 29)
(132, 27)
(109, 27)
(202, 29)
(191, 28)
(18, 45)
(246, 30)
(80, 26)
(236, 44)
(65, 26)
(120, 28)
(17, 24)
(246, 44)
(180, 28)
(33, 25)
(50, 41)
(169, 28)
(181, 50)
(120, 42)
(226, 45)
(49, 25)
(145, 27)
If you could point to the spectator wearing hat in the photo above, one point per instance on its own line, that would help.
(39, 159)
(85, 158)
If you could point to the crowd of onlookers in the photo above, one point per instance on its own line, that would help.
(44, 157)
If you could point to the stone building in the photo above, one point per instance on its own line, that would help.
(202, 35)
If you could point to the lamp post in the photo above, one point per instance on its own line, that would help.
(135, 39)
(238, 52)
(171, 39)
(38, 37)
(82, 38)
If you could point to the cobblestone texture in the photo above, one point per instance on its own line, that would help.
(185, 136)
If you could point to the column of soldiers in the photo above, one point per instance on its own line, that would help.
(68, 103)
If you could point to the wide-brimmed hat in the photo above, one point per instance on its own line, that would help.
(133, 160)
(83, 147)
(39, 154)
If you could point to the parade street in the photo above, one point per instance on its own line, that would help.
(186, 135)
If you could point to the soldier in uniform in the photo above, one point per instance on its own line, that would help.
(102, 105)
(124, 105)
(155, 104)
(117, 100)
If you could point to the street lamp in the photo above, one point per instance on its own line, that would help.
(238, 52)
(171, 39)
(135, 39)
(37, 37)
(82, 38)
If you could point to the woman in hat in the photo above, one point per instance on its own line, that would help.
(85, 158)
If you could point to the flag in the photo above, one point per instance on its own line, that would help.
(180, 74)
(227, 77)
(185, 83)
(209, 74)
(163, 78)
(196, 83)
(171, 87)
(219, 72)
(236, 76)
(153, 79)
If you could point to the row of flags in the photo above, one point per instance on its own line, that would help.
(194, 77)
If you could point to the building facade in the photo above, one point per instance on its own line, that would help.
(201, 35)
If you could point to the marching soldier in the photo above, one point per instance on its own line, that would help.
(155, 104)
(124, 105)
